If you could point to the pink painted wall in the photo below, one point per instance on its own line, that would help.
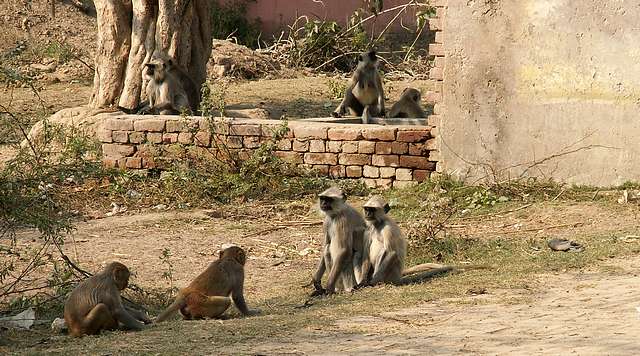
(277, 14)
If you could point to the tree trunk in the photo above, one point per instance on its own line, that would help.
(129, 31)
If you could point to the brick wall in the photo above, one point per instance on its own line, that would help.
(383, 156)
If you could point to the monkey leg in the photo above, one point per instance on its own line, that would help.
(199, 305)
(99, 318)
(351, 104)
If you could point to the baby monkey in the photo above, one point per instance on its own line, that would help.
(408, 106)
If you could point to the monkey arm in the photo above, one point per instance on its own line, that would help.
(237, 294)
(380, 97)
(121, 315)
(382, 265)
(337, 267)
(138, 314)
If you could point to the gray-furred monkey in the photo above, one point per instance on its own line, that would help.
(343, 247)
(364, 95)
(387, 250)
(169, 88)
(408, 105)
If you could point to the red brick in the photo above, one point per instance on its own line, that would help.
(371, 172)
(439, 38)
(314, 132)
(438, 62)
(334, 146)
(284, 144)
(104, 135)
(134, 162)
(354, 158)
(148, 163)
(434, 156)
(202, 138)
(403, 174)
(291, 157)
(384, 183)
(350, 147)
(387, 172)
(418, 149)
(438, 3)
(354, 171)
(436, 74)
(431, 144)
(300, 145)
(366, 147)
(269, 129)
(337, 172)
(136, 137)
(168, 138)
(185, 138)
(120, 136)
(233, 141)
(316, 146)
(413, 135)
(153, 125)
(383, 148)
(420, 175)
(399, 148)
(119, 124)
(109, 162)
(321, 169)
(370, 183)
(379, 134)
(117, 150)
(435, 24)
(154, 137)
(437, 111)
(176, 126)
(321, 158)
(436, 49)
(416, 162)
(440, 12)
(344, 134)
(385, 160)
(251, 141)
(246, 130)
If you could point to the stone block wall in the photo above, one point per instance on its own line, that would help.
(382, 156)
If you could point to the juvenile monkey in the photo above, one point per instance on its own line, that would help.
(207, 296)
(388, 249)
(408, 105)
(343, 247)
(169, 88)
(364, 95)
(95, 304)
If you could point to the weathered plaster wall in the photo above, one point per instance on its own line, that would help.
(552, 82)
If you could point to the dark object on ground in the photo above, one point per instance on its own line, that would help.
(564, 245)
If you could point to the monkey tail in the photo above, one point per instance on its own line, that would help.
(419, 277)
(175, 306)
(422, 268)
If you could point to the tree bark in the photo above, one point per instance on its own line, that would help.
(129, 31)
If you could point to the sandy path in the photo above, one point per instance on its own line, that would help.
(580, 314)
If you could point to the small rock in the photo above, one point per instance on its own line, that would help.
(58, 326)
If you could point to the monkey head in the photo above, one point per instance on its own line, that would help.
(120, 274)
(375, 208)
(331, 200)
(413, 94)
(368, 60)
(235, 253)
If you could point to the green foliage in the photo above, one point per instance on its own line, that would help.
(61, 52)
(336, 88)
(230, 20)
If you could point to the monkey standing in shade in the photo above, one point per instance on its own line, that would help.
(408, 106)
(364, 95)
(95, 304)
(388, 250)
(207, 296)
(344, 245)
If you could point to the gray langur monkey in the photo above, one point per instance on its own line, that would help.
(387, 250)
(408, 106)
(364, 95)
(343, 245)
(170, 90)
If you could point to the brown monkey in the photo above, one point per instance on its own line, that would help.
(343, 247)
(95, 304)
(169, 88)
(408, 106)
(207, 296)
(364, 95)
(387, 249)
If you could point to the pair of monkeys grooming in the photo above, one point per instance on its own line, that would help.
(365, 251)
(364, 95)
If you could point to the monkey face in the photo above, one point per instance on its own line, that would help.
(326, 203)
(370, 213)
